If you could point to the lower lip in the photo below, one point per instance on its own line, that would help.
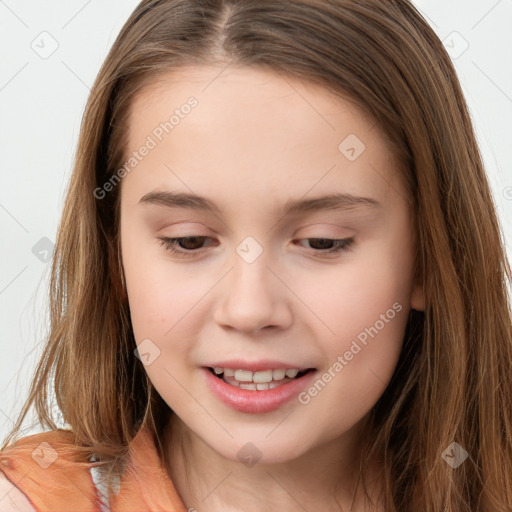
(267, 400)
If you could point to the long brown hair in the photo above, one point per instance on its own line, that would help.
(453, 382)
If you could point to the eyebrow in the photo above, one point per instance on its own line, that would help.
(338, 201)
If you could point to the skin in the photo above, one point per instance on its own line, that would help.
(254, 141)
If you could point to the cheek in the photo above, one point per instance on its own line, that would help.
(366, 326)
(158, 292)
(352, 296)
(363, 306)
(164, 301)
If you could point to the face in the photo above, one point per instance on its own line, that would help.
(271, 273)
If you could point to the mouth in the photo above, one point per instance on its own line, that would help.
(258, 381)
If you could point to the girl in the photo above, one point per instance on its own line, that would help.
(279, 278)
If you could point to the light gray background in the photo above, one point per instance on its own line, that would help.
(42, 98)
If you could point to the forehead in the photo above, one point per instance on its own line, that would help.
(231, 87)
(251, 128)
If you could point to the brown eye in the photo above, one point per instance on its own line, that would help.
(329, 245)
(188, 244)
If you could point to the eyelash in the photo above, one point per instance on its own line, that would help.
(171, 243)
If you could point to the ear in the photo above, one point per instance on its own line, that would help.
(417, 297)
(417, 300)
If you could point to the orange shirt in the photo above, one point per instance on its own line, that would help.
(55, 478)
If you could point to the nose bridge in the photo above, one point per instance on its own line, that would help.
(251, 279)
(252, 297)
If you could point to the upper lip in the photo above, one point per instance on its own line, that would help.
(257, 366)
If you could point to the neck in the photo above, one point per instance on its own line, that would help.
(325, 479)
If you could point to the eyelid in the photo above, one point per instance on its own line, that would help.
(319, 227)
(345, 231)
(184, 225)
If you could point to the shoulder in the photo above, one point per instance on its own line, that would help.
(11, 498)
(39, 450)
(47, 469)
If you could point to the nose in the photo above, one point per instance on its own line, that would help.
(252, 297)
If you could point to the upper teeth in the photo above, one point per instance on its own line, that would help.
(258, 377)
